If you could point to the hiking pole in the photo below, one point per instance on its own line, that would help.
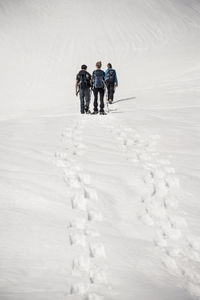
(108, 110)
(90, 98)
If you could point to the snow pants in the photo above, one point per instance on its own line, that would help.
(84, 99)
(99, 91)
(111, 90)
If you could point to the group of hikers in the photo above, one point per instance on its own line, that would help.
(98, 82)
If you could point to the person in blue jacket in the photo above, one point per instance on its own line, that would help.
(111, 82)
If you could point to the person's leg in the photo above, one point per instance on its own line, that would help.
(101, 91)
(95, 91)
(87, 99)
(82, 105)
(108, 87)
(112, 90)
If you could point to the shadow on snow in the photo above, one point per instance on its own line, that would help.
(125, 99)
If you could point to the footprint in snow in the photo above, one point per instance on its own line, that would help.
(90, 194)
(171, 202)
(73, 180)
(158, 211)
(161, 189)
(94, 216)
(98, 277)
(97, 250)
(158, 174)
(146, 219)
(79, 202)
(79, 224)
(79, 289)
(77, 239)
(173, 252)
(160, 240)
(85, 178)
(149, 178)
(194, 243)
(171, 265)
(172, 182)
(178, 222)
(81, 264)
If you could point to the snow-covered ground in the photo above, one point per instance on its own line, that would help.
(100, 207)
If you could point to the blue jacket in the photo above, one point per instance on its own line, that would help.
(106, 75)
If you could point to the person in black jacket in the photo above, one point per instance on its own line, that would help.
(83, 84)
(98, 86)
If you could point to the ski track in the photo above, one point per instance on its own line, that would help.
(159, 206)
(89, 265)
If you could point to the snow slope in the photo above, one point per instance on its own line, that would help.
(100, 207)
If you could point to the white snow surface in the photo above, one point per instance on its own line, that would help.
(100, 207)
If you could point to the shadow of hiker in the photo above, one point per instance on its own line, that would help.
(125, 99)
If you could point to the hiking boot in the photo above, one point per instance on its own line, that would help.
(110, 101)
(88, 112)
(102, 113)
(95, 112)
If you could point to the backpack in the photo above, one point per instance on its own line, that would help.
(98, 79)
(83, 83)
(111, 76)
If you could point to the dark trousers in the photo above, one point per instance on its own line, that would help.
(111, 90)
(84, 99)
(99, 91)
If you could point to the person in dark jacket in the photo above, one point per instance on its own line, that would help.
(111, 82)
(83, 84)
(98, 86)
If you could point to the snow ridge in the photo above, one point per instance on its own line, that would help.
(159, 207)
(89, 262)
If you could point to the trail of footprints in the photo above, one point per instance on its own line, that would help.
(89, 263)
(159, 207)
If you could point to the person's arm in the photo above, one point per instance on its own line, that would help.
(104, 81)
(103, 75)
(92, 80)
(76, 88)
(116, 80)
(106, 75)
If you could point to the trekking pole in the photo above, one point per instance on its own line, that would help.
(108, 109)
(90, 98)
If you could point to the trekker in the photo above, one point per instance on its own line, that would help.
(111, 82)
(83, 84)
(98, 86)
